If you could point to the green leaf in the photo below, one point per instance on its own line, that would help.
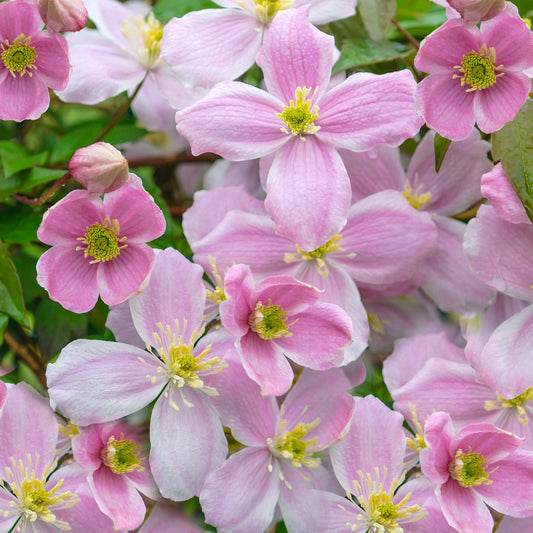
(26, 180)
(76, 138)
(4, 319)
(19, 224)
(441, 145)
(164, 10)
(360, 52)
(16, 158)
(513, 145)
(376, 15)
(11, 302)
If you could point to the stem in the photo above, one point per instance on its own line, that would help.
(168, 160)
(47, 195)
(406, 34)
(30, 357)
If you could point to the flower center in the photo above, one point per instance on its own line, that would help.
(19, 56)
(268, 321)
(298, 116)
(416, 199)
(121, 455)
(468, 469)
(266, 10)
(34, 500)
(145, 36)
(517, 404)
(292, 446)
(479, 69)
(317, 255)
(102, 242)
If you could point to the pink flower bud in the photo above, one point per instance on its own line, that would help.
(63, 15)
(100, 168)
(477, 10)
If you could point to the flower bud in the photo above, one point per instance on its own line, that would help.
(477, 10)
(100, 168)
(63, 15)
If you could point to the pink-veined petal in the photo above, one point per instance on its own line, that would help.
(323, 11)
(23, 98)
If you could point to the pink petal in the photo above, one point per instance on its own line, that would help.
(120, 322)
(308, 192)
(295, 54)
(323, 11)
(242, 122)
(241, 495)
(435, 458)
(363, 111)
(188, 442)
(446, 106)
(23, 98)
(17, 18)
(98, 381)
(53, 66)
(235, 311)
(212, 45)
(165, 519)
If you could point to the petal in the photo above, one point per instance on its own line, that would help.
(295, 54)
(23, 98)
(212, 45)
(235, 311)
(446, 106)
(234, 120)
(308, 192)
(187, 441)
(98, 381)
(363, 112)
(17, 18)
(53, 66)
(165, 519)
(242, 494)
(435, 458)
(323, 11)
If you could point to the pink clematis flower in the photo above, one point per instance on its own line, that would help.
(98, 245)
(479, 466)
(31, 60)
(302, 124)
(476, 75)
(281, 317)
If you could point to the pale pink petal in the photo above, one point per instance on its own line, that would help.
(23, 98)
(498, 252)
(495, 186)
(295, 54)
(242, 122)
(223, 173)
(188, 442)
(435, 458)
(53, 66)
(265, 364)
(212, 45)
(450, 282)
(175, 292)
(236, 310)
(69, 278)
(17, 18)
(165, 519)
(308, 192)
(118, 498)
(499, 104)
(120, 322)
(446, 106)
(8, 520)
(97, 381)
(323, 11)
(241, 495)
(367, 110)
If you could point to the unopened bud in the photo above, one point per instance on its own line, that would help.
(477, 10)
(100, 168)
(63, 15)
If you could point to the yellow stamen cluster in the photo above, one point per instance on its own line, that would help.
(120, 456)
(377, 325)
(216, 295)
(514, 403)
(19, 56)
(416, 199)
(266, 10)
(145, 37)
(468, 469)
(101, 242)
(268, 321)
(34, 500)
(317, 255)
(418, 443)
(298, 117)
(478, 69)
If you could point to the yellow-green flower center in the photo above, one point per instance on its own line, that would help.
(317, 255)
(101, 242)
(19, 56)
(266, 10)
(268, 321)
(468, 469)
(121, 456)
(416, 199)
(478, 69)
(298, 117)
(145, 36)
(516, 404)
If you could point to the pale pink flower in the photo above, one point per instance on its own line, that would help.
(302, 124)
(98, 246)
(476, 75)
(31, 60)
(479, 466)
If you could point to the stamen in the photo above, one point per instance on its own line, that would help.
(266, 10)
(102, 241)
(468, 469)
(145, 37)
(516, 404)
(299, 117)
(416, 199)
(121, 455)
(19, 56)
(479, 69)
(268, 321)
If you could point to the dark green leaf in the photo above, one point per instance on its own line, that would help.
(19, 224)
(16, 158)
(4, 319)
(11, 302)
(513, 145)
(376, 15)
(123, 133)
(77, 138)
(441, 145)
(164, 10)
(26, 180)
